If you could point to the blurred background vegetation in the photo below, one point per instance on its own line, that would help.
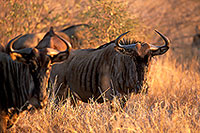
(107, 19)
(21, 17)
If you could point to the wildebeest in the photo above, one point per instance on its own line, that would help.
(24, 76)
(116, 68)
(52, 40)
(196, 38)
(71, 34)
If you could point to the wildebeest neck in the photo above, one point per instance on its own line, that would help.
(127, 72)
(142, 70)
(12, 77)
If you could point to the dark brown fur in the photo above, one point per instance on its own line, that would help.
(96, 71)
(21, 84)
(88, 72)
(117, 68)
(25, 82)
(196, 38)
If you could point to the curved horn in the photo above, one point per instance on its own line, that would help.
(10, 43)
(118, 38)
(21, 51)
(159, 50)
(51, 31)
(166, 40)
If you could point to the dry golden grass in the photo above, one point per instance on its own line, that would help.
(172, 105)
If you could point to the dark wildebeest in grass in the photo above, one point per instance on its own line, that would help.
(196, 38)
(73, 34)
(24, 76)
(116, 68)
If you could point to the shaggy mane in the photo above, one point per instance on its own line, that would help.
(122, 42)
(129, 41)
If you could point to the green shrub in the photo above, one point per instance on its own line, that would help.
(107, 19)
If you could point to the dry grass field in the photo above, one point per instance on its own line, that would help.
(172, 105)
(173, 101)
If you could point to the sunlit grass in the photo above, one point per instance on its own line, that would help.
(171, 105)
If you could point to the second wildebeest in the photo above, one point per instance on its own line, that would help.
(24, 76)
(72, 34)
(196, 38)
(116, 68)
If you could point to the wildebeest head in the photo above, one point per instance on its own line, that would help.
(141, 53)
(141, 49)
(52, 40)
(39, 62)
(74, 34)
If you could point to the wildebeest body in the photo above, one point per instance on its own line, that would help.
(114, 69)
(71, 34)
(25, 82)
(196, 38)
(101, 69)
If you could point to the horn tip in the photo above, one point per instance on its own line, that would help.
(10, 43)
(51, 28)
(126, 32)
(156, 30)
(164, 37)
(51, 31)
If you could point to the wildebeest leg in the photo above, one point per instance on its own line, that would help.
(67, 94)
(3, 121)
(74, 98)
(63, 92)
(58, 92)
(13, 117)
(123, 101)
(118, 104)
(106, 89)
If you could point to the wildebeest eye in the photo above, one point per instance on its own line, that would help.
(129, 50)
(33, 65)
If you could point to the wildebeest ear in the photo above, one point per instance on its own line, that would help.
(142, 49)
